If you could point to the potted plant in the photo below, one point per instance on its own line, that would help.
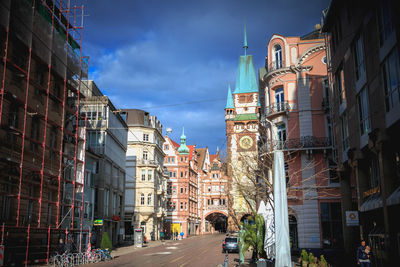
(323, 262)
(304, 258)
(312, 260)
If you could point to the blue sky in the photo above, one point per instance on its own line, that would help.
(175, 58)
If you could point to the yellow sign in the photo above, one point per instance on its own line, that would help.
(175, 227)
(98, 222)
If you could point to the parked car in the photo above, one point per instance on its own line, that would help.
(230, 244)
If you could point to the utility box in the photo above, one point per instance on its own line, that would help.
(138, 237)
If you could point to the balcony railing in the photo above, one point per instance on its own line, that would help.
(277, 108)
(274, 65)
(148, 161)
(305, 142)
(216, 207)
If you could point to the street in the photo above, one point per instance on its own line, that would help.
(201, 251)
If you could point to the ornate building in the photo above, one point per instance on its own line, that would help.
(241, 117)
(145, 180)
(295, 119)
(182, 188)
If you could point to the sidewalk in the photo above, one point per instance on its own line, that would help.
(131, 248)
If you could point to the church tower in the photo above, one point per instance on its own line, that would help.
(241, 118)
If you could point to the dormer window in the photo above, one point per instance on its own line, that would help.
(277, 61)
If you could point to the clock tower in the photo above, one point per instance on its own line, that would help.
(242, 117)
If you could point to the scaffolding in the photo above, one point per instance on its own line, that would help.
(42, 128)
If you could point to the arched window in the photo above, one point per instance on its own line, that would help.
(142, 199)
(149, 199)
(277, 63)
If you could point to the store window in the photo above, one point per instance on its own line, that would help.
(331, 224)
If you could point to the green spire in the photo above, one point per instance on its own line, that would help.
(183, 149)
(229, 99)
(245, 41)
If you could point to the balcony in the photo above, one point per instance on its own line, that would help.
(147, 162)
(277, 109)
(275, 65)
(303, 143)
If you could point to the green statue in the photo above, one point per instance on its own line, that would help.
(241, 244)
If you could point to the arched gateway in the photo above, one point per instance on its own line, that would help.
(216, 221)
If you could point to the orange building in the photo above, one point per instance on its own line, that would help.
(295, 119)
(182, 188)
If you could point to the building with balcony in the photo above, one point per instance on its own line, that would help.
(146, 182)
(106, 145)
(182, 188)
(294, 119)
(364, 72)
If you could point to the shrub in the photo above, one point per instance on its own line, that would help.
(311, 258)
(304, 255)
(105, 242)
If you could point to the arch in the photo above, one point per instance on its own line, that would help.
(217, 221)
(216, 211)
(293, 230)
(285, 46)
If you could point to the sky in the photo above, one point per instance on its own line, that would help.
(175, 58)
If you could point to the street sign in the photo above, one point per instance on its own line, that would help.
(352, 218)
(98, 222)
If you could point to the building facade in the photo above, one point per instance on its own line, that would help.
(293, 87)
(364, 74)
(106, 142)
(213, 192)
(241, 117)
(182, 188)
(42, 133)
(146, 177)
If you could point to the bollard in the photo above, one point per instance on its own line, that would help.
(226, 262)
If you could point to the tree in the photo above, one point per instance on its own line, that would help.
(253, 235)
(105, 242)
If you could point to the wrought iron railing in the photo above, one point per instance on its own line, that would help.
(305, 142)
(275, 65)
(277, 108)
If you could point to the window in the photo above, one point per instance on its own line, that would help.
(339, 84)
(145, 137)
(142, 199)
(209, 189)
(363, 111)
(5, 202)
(181, 205)
(277, 63)
(208, 202)
(53, 141)
(279, 99)
(34, 134)
(143, 175)
(222, 189)
(391, 79)
(358, 53)
(174, 190)
(149, 199)
(166, 147)
(374, 173)
(149, 175)
(185, 205)
(181, 174)
(345, 132)
(281, 135)
(145, 155)
(181, 190)
(106, 201)
(114, 203)
(181, 159)
(223, 202)
(385, 22)
(185, 190)
(331, 224)
(213, 188)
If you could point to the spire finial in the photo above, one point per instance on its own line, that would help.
(245, 40)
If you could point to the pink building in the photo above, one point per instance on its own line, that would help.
(295, 119)
(182, 188)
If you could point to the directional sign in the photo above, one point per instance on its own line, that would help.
(98, 222)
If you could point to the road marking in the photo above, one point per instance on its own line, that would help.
(158, 253)
(177, 259)
(184, 264)
(171, 247)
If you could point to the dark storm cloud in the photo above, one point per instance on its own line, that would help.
(164, 55)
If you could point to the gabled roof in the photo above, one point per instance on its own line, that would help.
(191, 151)
(202, 156)
(212, 157)
(175, 144)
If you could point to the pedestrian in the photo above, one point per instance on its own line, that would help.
(363, 255)
(176, 235)
(60, 247)
(162, 235)
(182, 234)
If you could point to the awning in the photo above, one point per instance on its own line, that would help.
(372, 202)
(394, 198)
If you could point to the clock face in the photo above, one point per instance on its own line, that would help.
(246, 142)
